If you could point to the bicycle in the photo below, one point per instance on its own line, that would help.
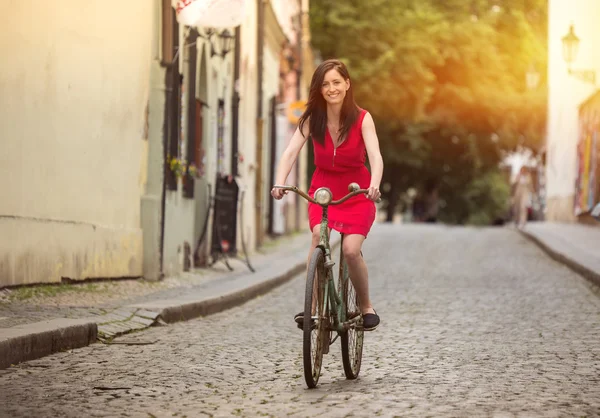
(327, 310)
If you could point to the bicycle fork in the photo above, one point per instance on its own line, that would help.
(327, 295)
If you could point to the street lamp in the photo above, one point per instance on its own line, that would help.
(570, 48)
(225, 40)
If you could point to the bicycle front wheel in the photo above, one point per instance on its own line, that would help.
(351, 340)
(315, 318)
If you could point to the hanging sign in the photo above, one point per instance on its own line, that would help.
(210, 13)
(189, 11)
(295, 110)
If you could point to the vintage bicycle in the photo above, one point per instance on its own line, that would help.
(329, 313)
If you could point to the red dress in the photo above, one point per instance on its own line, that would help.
(336, 169)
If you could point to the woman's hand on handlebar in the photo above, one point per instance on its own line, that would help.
(373, 193)
(278, 193)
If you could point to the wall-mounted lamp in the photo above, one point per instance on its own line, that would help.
(570, 48)
(224, 40)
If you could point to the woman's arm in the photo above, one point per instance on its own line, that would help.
(375, 159)
(287, 160)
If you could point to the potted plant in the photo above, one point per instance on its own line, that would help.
(177, 166)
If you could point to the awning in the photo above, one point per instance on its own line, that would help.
(210, 13)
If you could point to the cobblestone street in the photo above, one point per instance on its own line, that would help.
(475, 322)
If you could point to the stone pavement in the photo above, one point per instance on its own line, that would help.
(37, 321)
(476, 322)
(576, 245)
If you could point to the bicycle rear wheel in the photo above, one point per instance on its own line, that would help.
(351, 340)
(316, 334)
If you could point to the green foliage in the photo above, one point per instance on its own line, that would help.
(445, 83)
(486, 199)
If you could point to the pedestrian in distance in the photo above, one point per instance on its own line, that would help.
(523, 193)
(343, 135)
(432, 201)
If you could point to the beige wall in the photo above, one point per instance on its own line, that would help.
(74, 85)
(247, 124)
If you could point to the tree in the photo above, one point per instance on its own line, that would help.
(445, 83)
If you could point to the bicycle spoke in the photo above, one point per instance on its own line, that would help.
(352, 339)
(314, 319)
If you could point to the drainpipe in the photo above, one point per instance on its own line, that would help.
(300, 66)
(260, 52)
(259, 120)
(171, 73)
(171, 99)
(235, 104)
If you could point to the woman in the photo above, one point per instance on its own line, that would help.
(342, 133)
(522, 196)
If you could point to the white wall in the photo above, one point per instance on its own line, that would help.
(74, 86)
(184, 217)
(247, 123)
(565, 95)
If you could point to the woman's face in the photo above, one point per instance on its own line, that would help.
(334, 87)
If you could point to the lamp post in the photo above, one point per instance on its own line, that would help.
(570, 43)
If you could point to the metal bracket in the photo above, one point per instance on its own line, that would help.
(587, 76)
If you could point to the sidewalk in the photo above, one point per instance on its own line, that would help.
(37, 321)
(575, 245)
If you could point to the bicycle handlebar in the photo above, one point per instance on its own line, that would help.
(333, 202)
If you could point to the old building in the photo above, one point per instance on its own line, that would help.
(122, 122)
(74, 139)
(572, 145)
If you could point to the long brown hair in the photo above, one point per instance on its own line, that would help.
(316, 107)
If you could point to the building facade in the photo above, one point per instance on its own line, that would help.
(115, 145)
(570, 86)
(225, 112)
(74, 139)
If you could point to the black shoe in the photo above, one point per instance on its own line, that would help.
(370, 321)
(299, 318)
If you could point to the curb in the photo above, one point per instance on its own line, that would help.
(578, 268)
(191, 310)
(39, 339)
(187, 311)
(32, 341)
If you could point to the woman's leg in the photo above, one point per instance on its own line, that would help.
(316, 237)
(522, 212)
(358, 270)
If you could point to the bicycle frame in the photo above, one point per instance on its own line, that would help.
(332, 297)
